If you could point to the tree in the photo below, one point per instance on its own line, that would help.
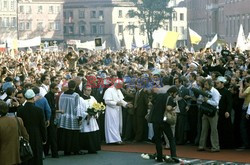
(153, 13)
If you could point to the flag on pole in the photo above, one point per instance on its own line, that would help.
(241, 40)
(170, 39)
(194, 37)
(210, 43)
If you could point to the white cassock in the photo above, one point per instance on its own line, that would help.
(113, 115)
(84, 105)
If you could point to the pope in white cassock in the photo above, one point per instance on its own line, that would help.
(90, 136)
(113, 98)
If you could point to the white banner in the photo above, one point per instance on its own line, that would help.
(241, 40)
(29, 43)
(210, 43)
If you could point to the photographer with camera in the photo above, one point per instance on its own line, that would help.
(208, 121)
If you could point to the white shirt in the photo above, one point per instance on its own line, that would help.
(215, 97)
(44, 89)
(248, 109)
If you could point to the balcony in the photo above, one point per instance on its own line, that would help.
(212, 7)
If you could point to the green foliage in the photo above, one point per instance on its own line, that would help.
(152, 13)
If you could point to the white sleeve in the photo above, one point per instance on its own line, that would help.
(248, 109)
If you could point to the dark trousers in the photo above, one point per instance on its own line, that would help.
(159, 128)
(140, 128)
(244, 128)
(52, 140)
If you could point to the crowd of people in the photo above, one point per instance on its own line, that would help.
(51, 94)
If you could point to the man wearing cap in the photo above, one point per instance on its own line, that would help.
(225, 127)
(113, 98)
(33, 119)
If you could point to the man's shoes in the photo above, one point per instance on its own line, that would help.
(166, 148)
(214, 150)
(200, 149)
(67, 153)
(159, 160)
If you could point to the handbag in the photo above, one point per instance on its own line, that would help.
(208, 109)
(26, 152)
(170, 116)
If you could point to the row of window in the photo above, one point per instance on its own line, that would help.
(175, 16)
(39, 9)
(81, 14)
(26, 25)
(7, 22)
(8, 5)
(233, 24)
(95, 29)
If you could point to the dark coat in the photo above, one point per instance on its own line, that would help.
(225, 127)
(9, 144)
(159, 105)
(142, 104)
(33, 119)
(50, 96)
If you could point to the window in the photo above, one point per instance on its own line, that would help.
(21, 26)
(82, 29)
(57, 25)
(175, 29)
(71, 29)
(181, 16)
(120, 14)
(93, 14)
(5, 22)
(174, 16)
(28, 26)
(182, 31)
(5, 4)
(51, 26)
(54, 25)
(51, 9)
(101, 15)
(12, 4)
(142, 29)
(167, 27)
(120, 29)
(101, 29)
(21, 9)
(57, 9)
(40, 10)
(81, 14)
(70, 16)
(40, 26)
(13, 22)
(28, 9)
(131, 28)
(93, 29)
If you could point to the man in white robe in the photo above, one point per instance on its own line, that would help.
(113, 98)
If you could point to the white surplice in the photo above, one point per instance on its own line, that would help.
(84, 105)
(113, 115)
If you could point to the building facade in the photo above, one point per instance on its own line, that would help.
(86, 20)
(26, 19)
(40, 18)
(222, 17)
(8, 19)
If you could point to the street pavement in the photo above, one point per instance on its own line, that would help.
(102, 158)
(121, 158)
